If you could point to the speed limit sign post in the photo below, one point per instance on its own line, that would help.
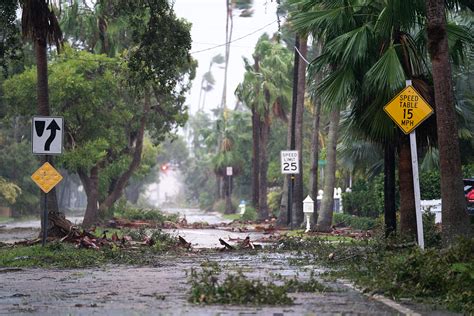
(290, 162)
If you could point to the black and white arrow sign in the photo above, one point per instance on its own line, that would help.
(47, 135)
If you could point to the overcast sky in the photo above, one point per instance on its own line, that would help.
(208, 18)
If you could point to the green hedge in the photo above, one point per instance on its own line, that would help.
(356, 222)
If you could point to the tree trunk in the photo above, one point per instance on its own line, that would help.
(137, 157)
(283, 216)
(407, 195)
(314, 158)
(132, 192)
(327, 204)
(43, 109)
(297, 202)
(91, 187)
(255, 156)
(455, 218)
(264, 133)
(390, 215)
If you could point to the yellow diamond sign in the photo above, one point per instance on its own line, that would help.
(46, 177)
(408, 109)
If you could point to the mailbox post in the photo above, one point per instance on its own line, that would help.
(242, 207)
(308, 209)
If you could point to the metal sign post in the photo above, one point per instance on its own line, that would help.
(46, 177)
(46, 139)
(45, 220)
(408, 109)
(416, 188)
(290, 165)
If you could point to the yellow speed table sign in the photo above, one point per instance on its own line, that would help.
(46, 177)
(408, 109)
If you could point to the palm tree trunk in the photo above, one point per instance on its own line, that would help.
(327, 204)
(297, 201)
(42, 75)
(264, 133)
(390, 215)
(43, 109)
(407, 195)
(283, 216)
(313, 177)
(255, 156)
(455, 218)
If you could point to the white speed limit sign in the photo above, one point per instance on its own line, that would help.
(290, 162)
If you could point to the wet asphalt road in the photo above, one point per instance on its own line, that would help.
(162, 289)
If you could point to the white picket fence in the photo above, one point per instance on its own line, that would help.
(433, 206)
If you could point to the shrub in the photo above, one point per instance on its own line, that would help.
(356, 222)
(366, 198)
(274, 199)
(219, 206)
(443, 276)
(146, 214)
(430, 185)
(250, 214)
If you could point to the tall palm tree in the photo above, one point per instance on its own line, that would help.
(265, 90)
(96, 27)
(39, 23)
(299, 87)
(208, 81)
(455, 218)
(314, 159)
(371, 50)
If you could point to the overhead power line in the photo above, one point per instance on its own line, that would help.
(235, 40)
(302, 57)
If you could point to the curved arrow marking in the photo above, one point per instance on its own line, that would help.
(53, 126)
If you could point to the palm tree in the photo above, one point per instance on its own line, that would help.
(265, 90)
(97, 28)
(39, 23)
(371, 50)
(314, 159)
(208, 81)
(299, 88)
(455, 218)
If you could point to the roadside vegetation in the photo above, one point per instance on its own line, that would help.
(396, 268)
(208, 286)
(131, 246)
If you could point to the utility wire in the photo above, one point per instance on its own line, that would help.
(302, 57)
(235, 40)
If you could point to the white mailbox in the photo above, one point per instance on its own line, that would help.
(308, 209)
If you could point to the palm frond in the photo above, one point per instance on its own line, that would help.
(459, 39)
(351, 48)
(386, 75)
(336, 89)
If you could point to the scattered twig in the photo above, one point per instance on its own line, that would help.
(226, 245)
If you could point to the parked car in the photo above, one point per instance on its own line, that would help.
(469, 194)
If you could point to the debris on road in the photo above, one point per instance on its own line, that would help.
(226, 245)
